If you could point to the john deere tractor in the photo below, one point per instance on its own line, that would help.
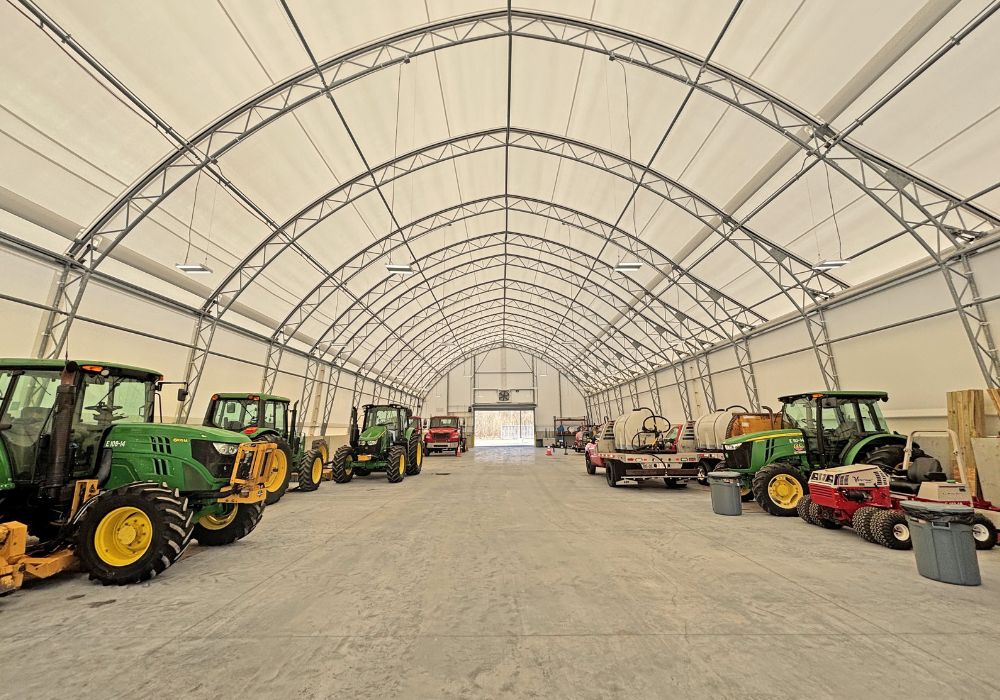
(818, 430)
(390, 442)
(86, 471)
(268, 418)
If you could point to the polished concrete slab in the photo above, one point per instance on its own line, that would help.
(506, 573)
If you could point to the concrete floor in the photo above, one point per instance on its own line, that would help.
(506, 573)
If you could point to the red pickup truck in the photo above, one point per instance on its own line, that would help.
(444, 434)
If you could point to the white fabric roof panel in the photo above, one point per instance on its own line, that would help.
(76, 144)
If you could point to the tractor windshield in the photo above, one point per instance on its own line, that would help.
(799, 414)
(444, 422)
(234, 414)
(382, 415)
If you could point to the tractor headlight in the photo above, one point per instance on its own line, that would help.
(226, 448)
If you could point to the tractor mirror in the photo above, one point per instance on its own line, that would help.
(183, 394)
(159, 386)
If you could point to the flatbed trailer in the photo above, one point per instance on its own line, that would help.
(675, 468)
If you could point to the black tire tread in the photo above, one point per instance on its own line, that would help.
(248, 515)
(392, 471)
(761, 480)
(338, 465)
(412, 468)
(991, 541)
(306, 464)
(881, 529)
(591, 469)
(802, 509)
(861, 522)
(819, 515)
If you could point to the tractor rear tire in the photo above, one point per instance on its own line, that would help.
(216, 531)
(414, 455)
(888, 457)
(276, 488)
(591, 469)
(133, 533)
(395, 469)
(861, 522)
(342, 465)
(890, 529)
(778, 488)
(311, 470)
(822, 517)
(803, 509)
(984, 532)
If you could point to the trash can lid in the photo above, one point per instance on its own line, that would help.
(939, 512)
(724, 475)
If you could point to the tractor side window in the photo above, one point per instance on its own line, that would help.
(871, 418)
(29, 413)
(274, 415)
(106, 401)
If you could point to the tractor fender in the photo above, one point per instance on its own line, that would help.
(867, 444)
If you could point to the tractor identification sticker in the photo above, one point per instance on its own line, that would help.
(181, 440)
(798, 445)
(114, 443)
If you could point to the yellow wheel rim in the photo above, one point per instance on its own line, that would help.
(279, 470)
(402, 464)
(317, 470)
(745, 490)
(349, 465)
(785, 490)
(218, 522)
(324, 453)
(123, 536)
(420, 454)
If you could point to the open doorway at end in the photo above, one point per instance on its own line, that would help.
(504, 427)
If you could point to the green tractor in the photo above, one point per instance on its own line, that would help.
(84, 466)
(390, 443)
(268, 418)
(818, 430)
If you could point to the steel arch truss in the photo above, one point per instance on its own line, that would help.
(940, 221)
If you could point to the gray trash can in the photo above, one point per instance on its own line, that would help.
(725, 492)
(943, 542)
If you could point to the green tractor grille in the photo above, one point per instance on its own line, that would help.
(739, 458)
(219, 465)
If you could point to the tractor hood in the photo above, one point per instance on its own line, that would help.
(174, 433)
(373, 433)
(763, 435)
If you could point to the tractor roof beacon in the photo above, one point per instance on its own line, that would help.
(389, 441)
(271, 418)
(819, 429)
(84, 468)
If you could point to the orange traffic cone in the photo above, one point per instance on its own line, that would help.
(548, 451)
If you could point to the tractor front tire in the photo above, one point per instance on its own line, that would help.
(984, 532)
(778, 488)
(414, 455)
(342, 465)
(861, 522)
(396, 467)
(237, 521)
(133, 533)
(890, 529)
(276, 482)
(591, 469)
(803, 509)
(311, 470)
(821, 516)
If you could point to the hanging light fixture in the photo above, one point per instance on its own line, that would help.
(825, 265)
(399, 269)
(194, 268)
(628, 266)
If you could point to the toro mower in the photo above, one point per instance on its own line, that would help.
(267, 418)
(867, 499)
(87, 478)
(390, 442)
(444, 434)
(818, 430)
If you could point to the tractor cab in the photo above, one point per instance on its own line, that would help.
(833, 423)
(392, 419)
(251, 413)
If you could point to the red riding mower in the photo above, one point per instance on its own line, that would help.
(868, 499)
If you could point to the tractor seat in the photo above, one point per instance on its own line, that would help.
(921, 469)
(904, 486)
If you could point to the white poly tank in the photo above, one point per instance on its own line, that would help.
(629, 425)
(711, 428)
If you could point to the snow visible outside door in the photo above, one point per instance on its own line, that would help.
(495, 428)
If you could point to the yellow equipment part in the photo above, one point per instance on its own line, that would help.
(250, 469)
(15, 564)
